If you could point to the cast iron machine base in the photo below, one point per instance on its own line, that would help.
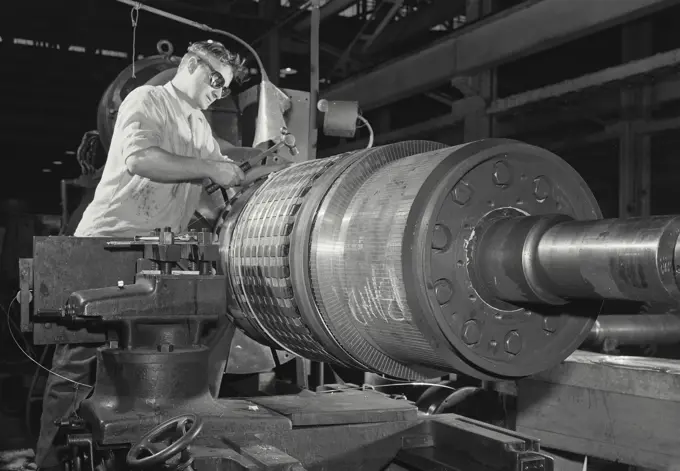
(339, 428)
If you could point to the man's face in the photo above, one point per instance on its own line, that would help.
(211, 79)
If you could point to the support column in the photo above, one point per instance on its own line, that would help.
(635, 148)
(383, 121)
(269, 50)
(479, 125)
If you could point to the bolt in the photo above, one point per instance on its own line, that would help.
(471, 332)
(513, 342)
(440, 237)
(166, 348)
(443, 291)
(501, 174)
(541, 188)
(550, 323)
(462, 193)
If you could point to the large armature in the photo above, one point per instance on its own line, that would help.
(415, 258)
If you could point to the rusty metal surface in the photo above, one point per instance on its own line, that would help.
(63, 265)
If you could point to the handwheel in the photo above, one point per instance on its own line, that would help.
(174, 430)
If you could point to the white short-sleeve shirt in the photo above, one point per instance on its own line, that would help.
(126, 205)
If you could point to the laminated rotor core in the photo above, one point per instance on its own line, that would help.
(356, 261)
(282, 249)
(363, 259)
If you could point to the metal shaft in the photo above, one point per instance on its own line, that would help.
(635, 329)
(548, 259)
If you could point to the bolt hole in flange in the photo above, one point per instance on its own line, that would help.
(507, 338)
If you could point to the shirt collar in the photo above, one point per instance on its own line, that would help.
(187, 109)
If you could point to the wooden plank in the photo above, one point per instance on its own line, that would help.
(505, 37)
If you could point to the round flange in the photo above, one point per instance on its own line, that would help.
(498, 340)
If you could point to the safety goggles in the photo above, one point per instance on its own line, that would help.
(216, 80)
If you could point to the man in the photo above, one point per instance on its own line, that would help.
(161, 151)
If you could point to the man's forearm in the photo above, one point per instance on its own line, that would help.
(224, 145)
(161, 166)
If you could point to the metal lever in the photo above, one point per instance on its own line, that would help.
(287, 140)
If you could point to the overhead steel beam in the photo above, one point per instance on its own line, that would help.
(530, 27)
(610, 75)
(417, 22)
(333, 7)
(664, 91)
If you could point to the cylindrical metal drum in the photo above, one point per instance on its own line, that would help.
(364, 259)
(635, 329)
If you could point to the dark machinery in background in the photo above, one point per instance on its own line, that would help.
(410, 260)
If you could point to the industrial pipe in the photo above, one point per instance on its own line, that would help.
(635, 329)
(314, 65)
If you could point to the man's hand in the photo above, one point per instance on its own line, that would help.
(227, 174)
